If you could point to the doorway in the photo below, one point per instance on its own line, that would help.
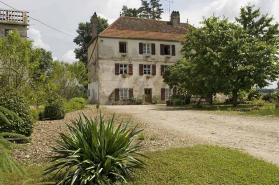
(148, 97)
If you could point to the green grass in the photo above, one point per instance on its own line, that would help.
(205, 165)
(192, 165)
(243, 109)
(32, 176)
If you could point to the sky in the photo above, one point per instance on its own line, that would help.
(65, 15)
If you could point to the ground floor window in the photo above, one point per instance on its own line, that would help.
(168, 93)
(124, 94)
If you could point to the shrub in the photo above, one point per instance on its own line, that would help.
(55, 109)
(17, 104)
(75, 104)
(155, 99)
(95, 152)
(254, 94)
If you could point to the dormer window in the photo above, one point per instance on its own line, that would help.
(122, 47)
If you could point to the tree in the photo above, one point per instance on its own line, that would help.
(223, 57)
(85, 35)
(130, 12)
(145, 10)
(156, 9)
(19, 54)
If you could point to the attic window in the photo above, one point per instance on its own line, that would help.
(167, 50)
(122, 47)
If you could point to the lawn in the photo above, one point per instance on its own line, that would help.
(243, 109)
(191, 165)
(205, 165)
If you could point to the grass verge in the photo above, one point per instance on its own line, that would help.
(205, 165)
(192, 165)
(242, 109)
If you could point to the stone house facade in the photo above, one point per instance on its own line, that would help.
(127, 60)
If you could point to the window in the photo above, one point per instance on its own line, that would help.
(167, 50)
(7, 31)
(123, 69)
(146, 49)
(122, 47)
(168, 93)
(124, 94)
(147, 69)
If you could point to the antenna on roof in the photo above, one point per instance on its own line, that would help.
(170, 2)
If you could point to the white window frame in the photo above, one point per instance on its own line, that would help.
(145, 68)
(170, 49)
(126, 48)
(146, 49)
(123, 68)
(168, 93)
(124, 94)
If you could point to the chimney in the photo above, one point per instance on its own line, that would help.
(175, 18)
(94, 20)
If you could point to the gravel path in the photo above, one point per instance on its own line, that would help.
(259, 136)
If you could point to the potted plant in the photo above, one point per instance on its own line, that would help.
(124, 75)
(147, 77)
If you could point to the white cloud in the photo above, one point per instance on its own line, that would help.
(69, 57)
(36, 36)
(231, 9)
(55, 58)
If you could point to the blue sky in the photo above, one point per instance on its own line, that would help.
(66, 14)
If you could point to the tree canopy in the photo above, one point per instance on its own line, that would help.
(85, 35)
(148, 10)
(225, 57)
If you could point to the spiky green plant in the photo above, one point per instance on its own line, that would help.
(96, 152)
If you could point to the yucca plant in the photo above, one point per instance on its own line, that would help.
(96, 152)
(7, 163)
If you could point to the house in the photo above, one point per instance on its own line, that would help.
(129, 57)
(13, 20)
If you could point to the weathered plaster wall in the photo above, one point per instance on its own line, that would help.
(109, 49)
(103, 69)
(22, 29)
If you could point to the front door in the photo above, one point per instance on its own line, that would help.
(148, 97)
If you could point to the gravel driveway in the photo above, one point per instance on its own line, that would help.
(259, 136)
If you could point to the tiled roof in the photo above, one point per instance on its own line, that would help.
(131, 27)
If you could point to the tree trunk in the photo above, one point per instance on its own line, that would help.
(235, 97)
(211, 99)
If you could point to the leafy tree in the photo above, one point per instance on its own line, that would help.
(85, 35)
(223, 57)
(254, 51)
(156, 9)
(19, 54)
(130, 12)
(145, 10)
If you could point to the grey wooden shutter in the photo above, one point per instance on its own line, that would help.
(153, 48)
(140, 48)
(130, 69)
(154, 69)
(162, 49)
(141, 69)
(163, 95)
(173, 50)
(131, 93)
(162, 70)
(116, 93)
(116, 69)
